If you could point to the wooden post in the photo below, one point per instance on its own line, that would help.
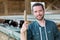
(6, 7)
(25, 19)
(24, 35)
(25, 15)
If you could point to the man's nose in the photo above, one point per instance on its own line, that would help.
(38, 13)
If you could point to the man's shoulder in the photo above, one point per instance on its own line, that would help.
(50, 22)
(33, 23)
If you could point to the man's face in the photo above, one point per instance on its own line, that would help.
(38, 12)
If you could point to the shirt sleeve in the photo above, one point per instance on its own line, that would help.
(56, 33)
(29, 33)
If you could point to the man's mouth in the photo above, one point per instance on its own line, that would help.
(39, 16)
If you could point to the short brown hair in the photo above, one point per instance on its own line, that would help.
(38, 4)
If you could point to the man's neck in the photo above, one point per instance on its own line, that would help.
(41, 22)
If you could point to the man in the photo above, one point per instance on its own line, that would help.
(41, 29)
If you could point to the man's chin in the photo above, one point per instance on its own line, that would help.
(39, 18)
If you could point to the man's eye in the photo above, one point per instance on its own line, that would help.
(40, 10)
(35, 11)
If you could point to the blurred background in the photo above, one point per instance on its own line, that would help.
(12, 16)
